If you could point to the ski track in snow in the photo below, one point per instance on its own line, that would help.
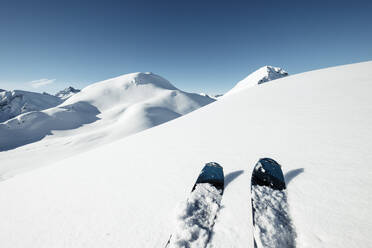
(273, 227)
(196, 218)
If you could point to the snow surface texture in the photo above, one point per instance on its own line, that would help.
(100, 113)
(123, 194)
(273, 227)
(16, 102)
(196, 218)
(262, 75)
(67, 93)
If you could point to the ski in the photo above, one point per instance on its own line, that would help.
(198, 214)
(272, 226)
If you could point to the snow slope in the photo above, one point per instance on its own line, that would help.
(125, 194)
(260, 76)
(100, 113)
(16, 102)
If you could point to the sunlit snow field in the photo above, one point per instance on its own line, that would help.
(317, 125)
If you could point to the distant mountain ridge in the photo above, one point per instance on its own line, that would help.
(215, 97)
(16, 102)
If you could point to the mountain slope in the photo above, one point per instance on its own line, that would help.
(16, 102)
(126, 193)
(100, 113)
(260, 76)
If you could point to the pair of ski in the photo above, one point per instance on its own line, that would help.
(271, 223)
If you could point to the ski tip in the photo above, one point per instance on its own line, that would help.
(214, 164)
(269, 160)
(212, 173)
(268, 172)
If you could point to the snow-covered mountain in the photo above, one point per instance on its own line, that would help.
(260, 76)
(113, 109)
(317, 125)
(16, 102)
(67, 93)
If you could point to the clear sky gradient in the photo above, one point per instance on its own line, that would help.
(200, 46)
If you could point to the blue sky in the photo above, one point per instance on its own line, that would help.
(200, 46)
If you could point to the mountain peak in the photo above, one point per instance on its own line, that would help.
(262, 75)
(72, 89)
(142, 78)
(125, 90)
(67, 93)
(270, 73)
